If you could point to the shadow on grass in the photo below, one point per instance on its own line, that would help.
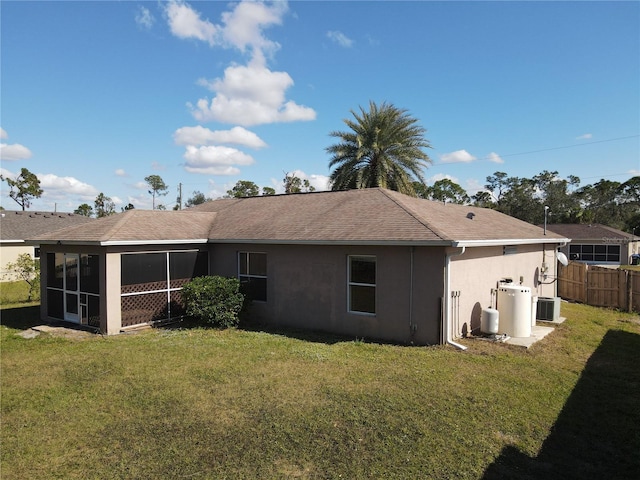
(597, 434)
(21, 317)
(248, 325)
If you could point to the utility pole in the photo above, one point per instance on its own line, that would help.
(180, 196)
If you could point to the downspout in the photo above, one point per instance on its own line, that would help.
(411, 326)
(447, 300)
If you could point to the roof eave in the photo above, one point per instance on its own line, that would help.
(509, 241)
(119, 243)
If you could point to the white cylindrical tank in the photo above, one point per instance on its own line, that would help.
(489, 321)
(514, 305)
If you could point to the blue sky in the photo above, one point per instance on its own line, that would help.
(95, 96)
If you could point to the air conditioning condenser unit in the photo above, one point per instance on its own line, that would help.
(548, 309)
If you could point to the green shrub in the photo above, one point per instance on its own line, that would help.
(213, 300)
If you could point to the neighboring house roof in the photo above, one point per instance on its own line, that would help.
(373, 215)
(593, 233)
(138, 227)
(16, 225)
(366, 216)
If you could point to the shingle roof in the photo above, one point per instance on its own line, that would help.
(593, 232)
(372, 215)
(138, 226)
(18, 225)
(368, 216)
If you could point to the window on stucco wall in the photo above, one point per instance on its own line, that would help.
(362, 284)
(252, 273)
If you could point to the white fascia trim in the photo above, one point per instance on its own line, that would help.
(119, 243)
(12, 241)
(512, 241)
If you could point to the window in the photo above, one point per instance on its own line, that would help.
(252, 273)
(606, 253)
(362, 284)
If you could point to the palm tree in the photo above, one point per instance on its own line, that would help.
(383, 149)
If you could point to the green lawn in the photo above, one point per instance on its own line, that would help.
(244, 404)
(14, 293)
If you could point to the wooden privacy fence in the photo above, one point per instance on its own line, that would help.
(599, 286)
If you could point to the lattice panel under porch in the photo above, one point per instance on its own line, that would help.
(143, 287)
(137, 309)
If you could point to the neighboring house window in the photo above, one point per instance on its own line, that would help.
(252, 273)
(362, 284)
(595, 253)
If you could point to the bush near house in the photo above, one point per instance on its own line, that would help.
(214, 300)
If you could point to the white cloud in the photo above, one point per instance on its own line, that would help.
(144, 18)
(251, 95)
(215, 160)
(158, 167)
(241, 27)
(63, 187)
(586, 136)
(199, 135)
(319, 182)
(185, 22)
(244, 25)
(459, 156)
(14, 151)
(340, 38)
(495, 158)
(141, 185)
(121, 173)
(441, 176)
(3, 133)
(473, 186)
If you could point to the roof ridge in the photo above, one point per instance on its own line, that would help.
(436, 231)
(119, 224)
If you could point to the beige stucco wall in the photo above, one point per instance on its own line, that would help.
(111, 308)
(307, 288)
(307, 285)
(476, 273)
(9, 254)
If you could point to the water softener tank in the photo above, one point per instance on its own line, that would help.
(489, 321)
(514, 305)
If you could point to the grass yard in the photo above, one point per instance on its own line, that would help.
(14, 293)
(241, 404)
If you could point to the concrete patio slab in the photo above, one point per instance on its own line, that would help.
(537, 333)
